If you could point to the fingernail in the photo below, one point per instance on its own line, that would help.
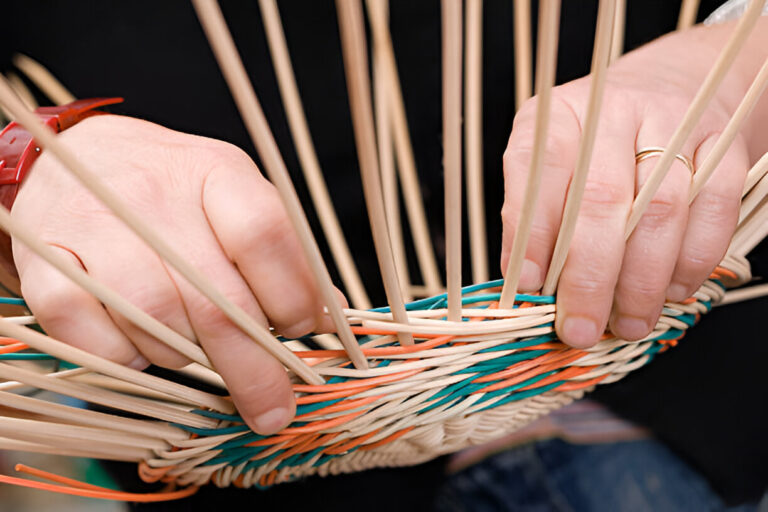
(677, 292)
(139, 363)
(530, 276)
(272, 421)
(631, 327)
(580, 331)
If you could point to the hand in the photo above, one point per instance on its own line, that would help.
(213, 206)
(674, 248)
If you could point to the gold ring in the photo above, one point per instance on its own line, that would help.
(650, 152)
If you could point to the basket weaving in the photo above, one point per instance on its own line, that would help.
(439, 368)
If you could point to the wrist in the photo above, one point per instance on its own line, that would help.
(19, 151)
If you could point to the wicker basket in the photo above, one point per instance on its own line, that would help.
(474, 371)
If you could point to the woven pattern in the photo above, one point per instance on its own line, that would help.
(462, 384)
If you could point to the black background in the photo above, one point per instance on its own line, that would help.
(707, 398)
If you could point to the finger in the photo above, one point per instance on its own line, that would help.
(654, 246)
(250, 221)
(586, 287)
(562, 146)
(326, 323)
(138, 275)
(68, 313)
(712, 219)
(258, 383)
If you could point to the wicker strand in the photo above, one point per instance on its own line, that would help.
(355, 63)
(600, 58)
(549, 17)
(688, 11)
(473, 141)
(43, 79)
(523, 52)
(242, 91)
(305, 148)
(452, 43)
(406, 162)
(384, 128)
(619, 28)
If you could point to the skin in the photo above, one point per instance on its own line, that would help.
(194, 182)
(202, 185)
(605, 281)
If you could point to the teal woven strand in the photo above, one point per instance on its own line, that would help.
(13, 301)
(26, 356)
(522, 395)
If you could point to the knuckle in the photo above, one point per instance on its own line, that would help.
(263, 393)
(641, 289)
(55, 302)
(509, 215)
(526, 113)
(295, 319)
(227, 160)
(225, 150)
(587, 287)
(561, 141)
(662, 207)
(516, 158)
(267, 229)
(637, 292)
(212, 318)
(270, 384)
(696, 263)
(718, 207)
(272, 227)
(603, 199)
(542, 236)
(157, 301)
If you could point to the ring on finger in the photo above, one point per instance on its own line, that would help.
(654, 151)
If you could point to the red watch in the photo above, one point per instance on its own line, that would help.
(18, 150)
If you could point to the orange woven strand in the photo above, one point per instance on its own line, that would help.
(82, 489)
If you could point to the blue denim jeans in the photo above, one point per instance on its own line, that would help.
(553, 475)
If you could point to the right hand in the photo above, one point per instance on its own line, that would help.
(607, 280)
(209, 201)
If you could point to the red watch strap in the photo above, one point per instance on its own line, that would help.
(17, 148)
(72, 113)
(7, 196)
